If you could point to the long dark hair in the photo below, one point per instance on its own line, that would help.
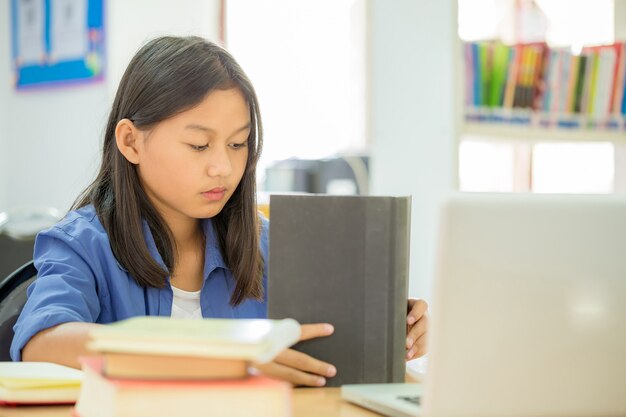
(165, 77)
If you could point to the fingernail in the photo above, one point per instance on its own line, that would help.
(320, 382)
(410, 320)
(331, 371)
(409, 342)
(329, 328)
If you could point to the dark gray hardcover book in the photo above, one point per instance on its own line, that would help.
(344, 260)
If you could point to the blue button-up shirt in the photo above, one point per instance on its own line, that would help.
(80, 280)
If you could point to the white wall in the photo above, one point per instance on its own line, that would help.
(131, 23)
(50, 139)
(413, 119)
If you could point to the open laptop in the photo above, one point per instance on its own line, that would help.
(529, 308)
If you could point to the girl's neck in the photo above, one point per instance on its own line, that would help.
(186, 232)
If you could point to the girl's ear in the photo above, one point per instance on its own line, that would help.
(127, 137)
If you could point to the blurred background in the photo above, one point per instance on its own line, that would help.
(403, 97)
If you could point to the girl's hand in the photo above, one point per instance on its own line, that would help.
(300, 368)
(417, 329)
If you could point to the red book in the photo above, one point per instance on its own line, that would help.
(113, 397)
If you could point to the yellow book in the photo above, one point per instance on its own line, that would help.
(258, 340)
(38, 383)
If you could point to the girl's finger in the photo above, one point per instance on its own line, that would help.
(291, 375)
(311, 331)
(417, 309)
(417, 331)
(418, 349)
(304, 362)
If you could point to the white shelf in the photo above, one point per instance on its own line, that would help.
(519, 133)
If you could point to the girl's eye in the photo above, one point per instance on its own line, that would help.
(239, 145)
(199, 147)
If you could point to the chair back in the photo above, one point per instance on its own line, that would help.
(12, 300)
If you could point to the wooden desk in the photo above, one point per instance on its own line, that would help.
(307, 402)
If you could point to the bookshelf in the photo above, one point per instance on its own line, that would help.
(541, 121)
(529, 134)
(494, 73)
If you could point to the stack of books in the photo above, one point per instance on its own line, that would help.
(166, 367)
(545, 86)
(38, 383)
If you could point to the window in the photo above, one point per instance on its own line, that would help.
(573, 168)
(488, 162)
(307, 62)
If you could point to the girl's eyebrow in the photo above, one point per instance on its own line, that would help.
(206, 129)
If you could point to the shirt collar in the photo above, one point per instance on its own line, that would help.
(213, 254)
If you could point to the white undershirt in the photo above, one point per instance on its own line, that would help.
(186, 304)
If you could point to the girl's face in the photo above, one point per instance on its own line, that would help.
(190, 164)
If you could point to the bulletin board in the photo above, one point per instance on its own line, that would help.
(57, 42)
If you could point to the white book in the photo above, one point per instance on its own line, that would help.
(258, 340)
(604, 83)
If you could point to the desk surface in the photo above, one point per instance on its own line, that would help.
(307, 402)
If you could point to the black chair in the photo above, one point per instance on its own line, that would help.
(12, 300)
(14, 253)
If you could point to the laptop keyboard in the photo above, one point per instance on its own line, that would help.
(413, 399)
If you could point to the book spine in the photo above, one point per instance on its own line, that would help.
(571, 84)
(477, 74)
(469, 75)
(588, 88)
(522, 75)
(604, 84)
(400, 246)
(514, 63)
(547, 95)
(485, 72)
(624, 98)
(566, 62)
(538, 87)
(580, 79)
(616, 90)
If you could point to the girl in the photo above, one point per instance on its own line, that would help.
(169, 227)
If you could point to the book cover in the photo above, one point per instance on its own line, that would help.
(31, 383)
(344, 260)
(258, 340)
(101, 396)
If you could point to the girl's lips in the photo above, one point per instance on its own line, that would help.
(215, 194)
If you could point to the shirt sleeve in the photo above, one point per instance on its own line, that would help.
(65, 289)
